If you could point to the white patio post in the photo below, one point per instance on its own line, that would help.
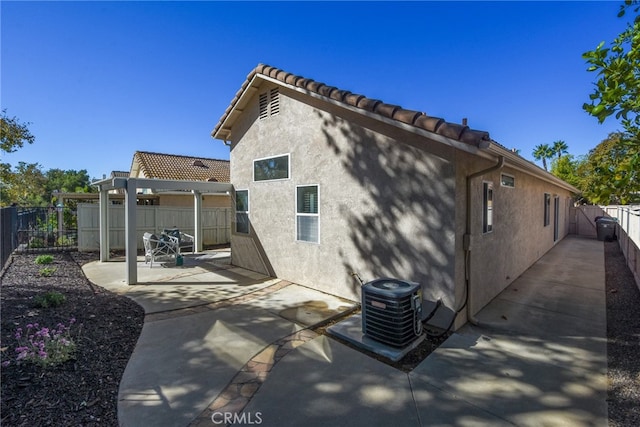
(104, 225)
(130, 231)
(197, 220)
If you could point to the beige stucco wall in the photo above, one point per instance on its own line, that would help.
(519, 236)
(392, 203)
(386, 208)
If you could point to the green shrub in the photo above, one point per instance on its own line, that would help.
(47, 271)
(50, 299)
(36, 242)
(44, 259)
(65, 241)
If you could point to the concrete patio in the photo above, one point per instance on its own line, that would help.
(220, 339)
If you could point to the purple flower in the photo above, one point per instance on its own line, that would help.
(6, 363)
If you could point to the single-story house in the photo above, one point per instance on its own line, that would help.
(176, 167)
(330, 186)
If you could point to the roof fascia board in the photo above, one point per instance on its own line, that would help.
(408, 128)
(249, 91)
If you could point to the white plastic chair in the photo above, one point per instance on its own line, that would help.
(156, 248)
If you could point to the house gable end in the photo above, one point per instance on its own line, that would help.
(416, 119)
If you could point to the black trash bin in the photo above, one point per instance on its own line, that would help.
(606, 228)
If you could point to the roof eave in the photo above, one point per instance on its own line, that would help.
(517, 162)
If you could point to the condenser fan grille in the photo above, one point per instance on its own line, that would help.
(388, 315)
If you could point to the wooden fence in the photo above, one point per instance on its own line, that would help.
(216, 224)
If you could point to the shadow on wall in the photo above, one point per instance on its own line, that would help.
(405, 226)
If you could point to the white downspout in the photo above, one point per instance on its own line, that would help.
(466, 241)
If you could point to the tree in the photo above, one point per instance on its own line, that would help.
(559, 148)
(68, 181)
(566, 168)
(611, 172)
(13, 134)
(25, 186)
(617, 90)
(543, 152)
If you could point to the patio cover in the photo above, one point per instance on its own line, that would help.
(131, 185)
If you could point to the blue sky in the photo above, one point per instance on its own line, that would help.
(100, 80)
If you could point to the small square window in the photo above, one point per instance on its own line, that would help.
(507, 181)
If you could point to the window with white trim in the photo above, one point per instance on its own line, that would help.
(307, 216)
(487, 207)
(242, 211)
(271, 168)
(507, 181)
(547, 209)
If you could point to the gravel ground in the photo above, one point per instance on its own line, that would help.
(623, 333)
(83, 391)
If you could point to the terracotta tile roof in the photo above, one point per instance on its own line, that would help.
(171, 166)
(418, 119)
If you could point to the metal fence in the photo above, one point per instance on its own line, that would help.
(37, 229)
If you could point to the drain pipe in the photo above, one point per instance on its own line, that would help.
(466, 240)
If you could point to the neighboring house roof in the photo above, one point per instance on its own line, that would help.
(418, 119)
(176, 167)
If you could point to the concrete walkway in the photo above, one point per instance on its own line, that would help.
(537, 358)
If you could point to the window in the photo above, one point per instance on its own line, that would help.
(507, 181)
(487, 207)
(269, 103)
(307, 218)
(547, 209)
(271, 168)
(242, 211)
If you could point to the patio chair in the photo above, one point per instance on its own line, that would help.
(158, 248)
(184, 240)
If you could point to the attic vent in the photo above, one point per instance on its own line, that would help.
(198, 163)
(212, 180)
(274, 105)
(269, 103)
(264, 106)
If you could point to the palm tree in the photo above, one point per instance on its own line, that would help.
(543, 152)
(560, 147)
